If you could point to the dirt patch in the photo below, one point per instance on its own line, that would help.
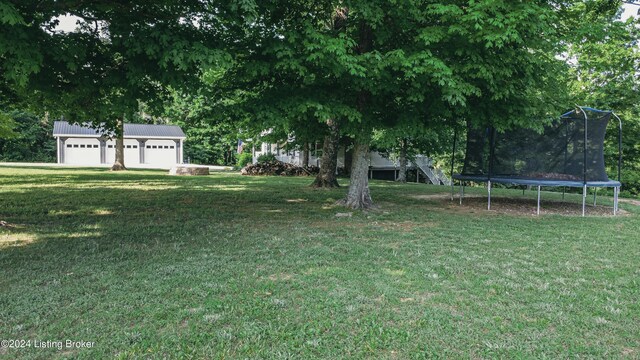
(280, 277)
(630, 201)
(6, 225)
(402, 226)
(296, 200)
(432, 197)
(627, 352)
(519, 206)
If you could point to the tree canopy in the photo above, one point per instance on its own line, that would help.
(119, 54)
(484, 61)
(294, 66)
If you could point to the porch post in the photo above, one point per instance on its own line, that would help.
(61, 149)
(178, 151)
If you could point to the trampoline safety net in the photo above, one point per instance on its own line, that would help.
(556, 153)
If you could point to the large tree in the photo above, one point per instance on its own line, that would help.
(120, 53)
(496, 56)
(605, 58)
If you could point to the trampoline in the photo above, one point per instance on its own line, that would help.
(568, 152)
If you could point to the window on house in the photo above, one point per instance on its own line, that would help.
(154, 146)
(172, 147)
(148, 146)
(166, 146)
(83, 146)
(69, 145)
(110, 146)
(135, 146)
(75, 145)
(95, 146)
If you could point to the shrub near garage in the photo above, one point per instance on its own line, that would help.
(244, 159)
(265, 158)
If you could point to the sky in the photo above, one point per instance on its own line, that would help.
(67, 23)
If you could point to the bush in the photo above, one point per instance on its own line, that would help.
(630, 182)
(244, 159)
(265, 158)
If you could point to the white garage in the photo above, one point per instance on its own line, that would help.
(148, 146)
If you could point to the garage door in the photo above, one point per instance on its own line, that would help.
(131, 152)
(161, 153)
(82, 152)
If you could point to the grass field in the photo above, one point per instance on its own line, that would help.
(150, 266)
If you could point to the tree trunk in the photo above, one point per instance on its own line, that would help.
(119, 161)
(348, 155)
(326, 178)
(359, 196)
(305, 155)
(402, 176)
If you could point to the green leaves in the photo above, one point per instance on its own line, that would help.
(9, 15)
(7, 126)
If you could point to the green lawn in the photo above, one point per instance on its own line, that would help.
(151, 266)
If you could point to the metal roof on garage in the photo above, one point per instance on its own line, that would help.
(63, 128)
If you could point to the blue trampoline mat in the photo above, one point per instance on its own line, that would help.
(536, 182)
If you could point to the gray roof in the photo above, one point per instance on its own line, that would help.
(61, 128)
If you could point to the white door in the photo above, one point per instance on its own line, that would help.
(160, 153)
(131, 152)
(110, 152)
(82, 151)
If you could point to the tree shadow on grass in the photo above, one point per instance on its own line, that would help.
(59, 208)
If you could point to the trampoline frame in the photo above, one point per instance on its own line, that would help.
(584, 184)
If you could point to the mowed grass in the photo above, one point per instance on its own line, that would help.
(151, 266)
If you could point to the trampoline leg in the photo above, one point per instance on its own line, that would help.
(584, 198)
(595, 192)
(538, 211)
(489, 197)
(615, 200)
(461, 191)
(563, 190)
